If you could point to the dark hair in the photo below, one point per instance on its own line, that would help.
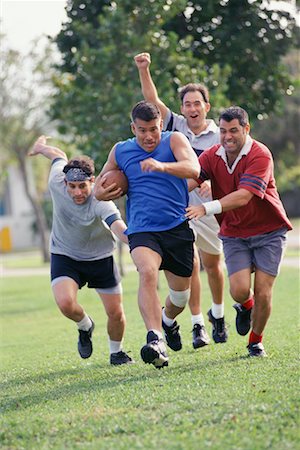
(235, 112)
(82, 162)
(194, 87)
(145, 111)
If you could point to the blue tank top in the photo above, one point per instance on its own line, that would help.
(155, 201)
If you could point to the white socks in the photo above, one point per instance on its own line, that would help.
(158, 333)
(217, 310)
(114, 346)
(166, 320)
(198, 318)
(85, 323)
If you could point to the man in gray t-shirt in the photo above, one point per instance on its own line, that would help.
(202, 134)
(82, 246)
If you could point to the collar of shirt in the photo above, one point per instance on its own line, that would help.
(244, 151)
(211, 128)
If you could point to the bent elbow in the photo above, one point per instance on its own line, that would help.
(195, 173)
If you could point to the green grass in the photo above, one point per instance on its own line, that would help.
(22, 260)
(213, 398)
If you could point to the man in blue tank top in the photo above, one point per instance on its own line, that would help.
(202, 134)
(156, 164)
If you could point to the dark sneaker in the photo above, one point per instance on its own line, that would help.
(154, 352)
(172, 336)
(200, 336)
(219, 330)
(85, 346)
(256, 350)
(116, 359)
(243, 319)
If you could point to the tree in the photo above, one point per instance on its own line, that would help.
(99, 82)
(23, 119)
(251, 37)
(236, 47)
(284, 138)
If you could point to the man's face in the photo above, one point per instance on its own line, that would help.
(195, 110)
(79, 191)
(233, 135)
(147, 134)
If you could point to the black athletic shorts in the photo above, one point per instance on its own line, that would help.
(175, 246)
(102, 273)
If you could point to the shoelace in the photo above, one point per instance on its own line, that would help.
(197, 329)
(175, 329)
(220, 326)
(84, 336)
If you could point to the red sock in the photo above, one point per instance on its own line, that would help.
(255, 338)
(248, 303)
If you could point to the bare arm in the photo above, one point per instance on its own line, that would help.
(109, 192)
(143, 61)
(118, 227)
(234, 200)
(186, 165)
(40, 147)
(192, 184)
(111, 162)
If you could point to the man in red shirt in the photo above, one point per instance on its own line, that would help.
(253, 222)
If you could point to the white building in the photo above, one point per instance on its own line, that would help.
(16, 213)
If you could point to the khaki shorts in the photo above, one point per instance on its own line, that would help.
(206, 230)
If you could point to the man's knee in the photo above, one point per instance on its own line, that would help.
(240, 293)
(180, 298)
(148, 274)
(66, 304)
(263, 296)
(213, 265)
(116, 314)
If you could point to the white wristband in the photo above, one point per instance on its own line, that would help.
(213, 207)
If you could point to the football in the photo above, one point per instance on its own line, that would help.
(118, 177)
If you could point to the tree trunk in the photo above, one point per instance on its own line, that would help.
(38, 211)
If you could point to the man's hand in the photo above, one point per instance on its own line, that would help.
(106, 193)
(152, 165)
(142, 60)
(204, 190)
(195, 212)
(38, 146)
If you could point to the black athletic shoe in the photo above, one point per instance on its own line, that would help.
(256, 350)
(219, 330)
(200, 336)
(154, 352)
(85, 346)
(243, 319)
(172, 336)
(116, 359)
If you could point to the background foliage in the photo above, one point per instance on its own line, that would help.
(235, 47)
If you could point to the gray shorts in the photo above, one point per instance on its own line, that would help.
(263, 252)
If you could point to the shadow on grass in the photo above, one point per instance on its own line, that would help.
(91, 380)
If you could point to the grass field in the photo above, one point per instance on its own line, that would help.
(213, 398)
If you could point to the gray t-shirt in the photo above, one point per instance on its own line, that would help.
(79, 231)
